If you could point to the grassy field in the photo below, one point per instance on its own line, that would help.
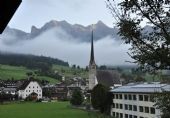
(8, 72)
(70, 72)
(42, 110)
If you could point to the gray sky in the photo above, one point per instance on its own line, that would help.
(38, 12)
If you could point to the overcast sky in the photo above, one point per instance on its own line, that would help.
(84, 12)
(38, 12)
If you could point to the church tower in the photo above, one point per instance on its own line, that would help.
(92, 67)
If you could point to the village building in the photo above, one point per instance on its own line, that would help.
(136, 100)
(30, 88)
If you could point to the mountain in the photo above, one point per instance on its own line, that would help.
(76, 31)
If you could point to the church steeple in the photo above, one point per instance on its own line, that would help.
(92, 61)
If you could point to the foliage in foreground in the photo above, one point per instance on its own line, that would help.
(151, 44)
(77, 97)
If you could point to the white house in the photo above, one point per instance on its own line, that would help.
(30, 88)
(135, 100)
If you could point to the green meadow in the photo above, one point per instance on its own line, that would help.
(42, 110)
(15, 72)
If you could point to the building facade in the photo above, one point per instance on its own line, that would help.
(30, 88)
(136, 100)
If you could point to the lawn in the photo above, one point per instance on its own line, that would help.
(8, 72)
(42, 110)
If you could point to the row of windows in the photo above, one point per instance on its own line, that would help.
(32, 87)
(27, 95)
(132, 97)
(120, 115)
(32, 91)
(134, 108)
(147, 109)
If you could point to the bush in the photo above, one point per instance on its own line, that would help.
(77, 97)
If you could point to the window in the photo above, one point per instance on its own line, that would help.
(39, 94)
(26, 90)
(140, 97)
(113, 105)
(130, 97)
(113, 96)
(126, 116)
(114, 114)
(117, 105)
(130, 116)
(39, 90)
(130, 107)
(146, 98)
(152, 110)
(121, 106)
(29, 87)
(125, 96)
(141, 108)
(134, 97)
(33, 86)
(117, 96)
(146, 109)
(117, 115)
(126, 107)
(135, 117)
(37, 86)
(120, 96)
(121, 115)
(141, 117)
(134, 108)
(29, 90)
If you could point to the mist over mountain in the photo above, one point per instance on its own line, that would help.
(71, 43)
(76, 31)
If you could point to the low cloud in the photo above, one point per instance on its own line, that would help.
(56, 43)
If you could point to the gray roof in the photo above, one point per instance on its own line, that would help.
(142, 88)
(108, 77)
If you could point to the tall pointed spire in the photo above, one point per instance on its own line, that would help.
(92, 61)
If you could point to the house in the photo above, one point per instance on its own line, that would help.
(30, 88)
(136, 100)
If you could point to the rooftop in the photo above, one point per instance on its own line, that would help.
(142, 88)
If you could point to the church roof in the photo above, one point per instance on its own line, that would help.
(92, 60)
(108, 77)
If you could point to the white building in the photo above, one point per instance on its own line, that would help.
(135, 100)
(30, 88)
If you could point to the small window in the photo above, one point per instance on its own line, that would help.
(117, 96)
(33, 86)
(146, 98)
(126, 116)
(141, 117)
(135, 117)
(120, 96)
(141, 108)
(130, 116)
(37, 86)
(121, 115)
(140, 97)
(39, 90)
(130, 97)
(117, 105)
(126, 107)
(29, 90)
(113, 96)
(152, 110)
(125, 96)
(39, 94)
(117, 114)
(114, 114)
(29, 87)
(134, 108)
(146, 109)
(130, 107)
(134, 97)
(120, 106)
(113, 105)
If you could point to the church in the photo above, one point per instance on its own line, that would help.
(108, 78)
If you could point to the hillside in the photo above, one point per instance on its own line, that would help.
(15, 72)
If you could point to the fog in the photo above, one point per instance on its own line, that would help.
(58, 44)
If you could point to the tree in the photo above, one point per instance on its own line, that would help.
(100, 98)
(77, 97)
(163, 103)
(150, 45)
